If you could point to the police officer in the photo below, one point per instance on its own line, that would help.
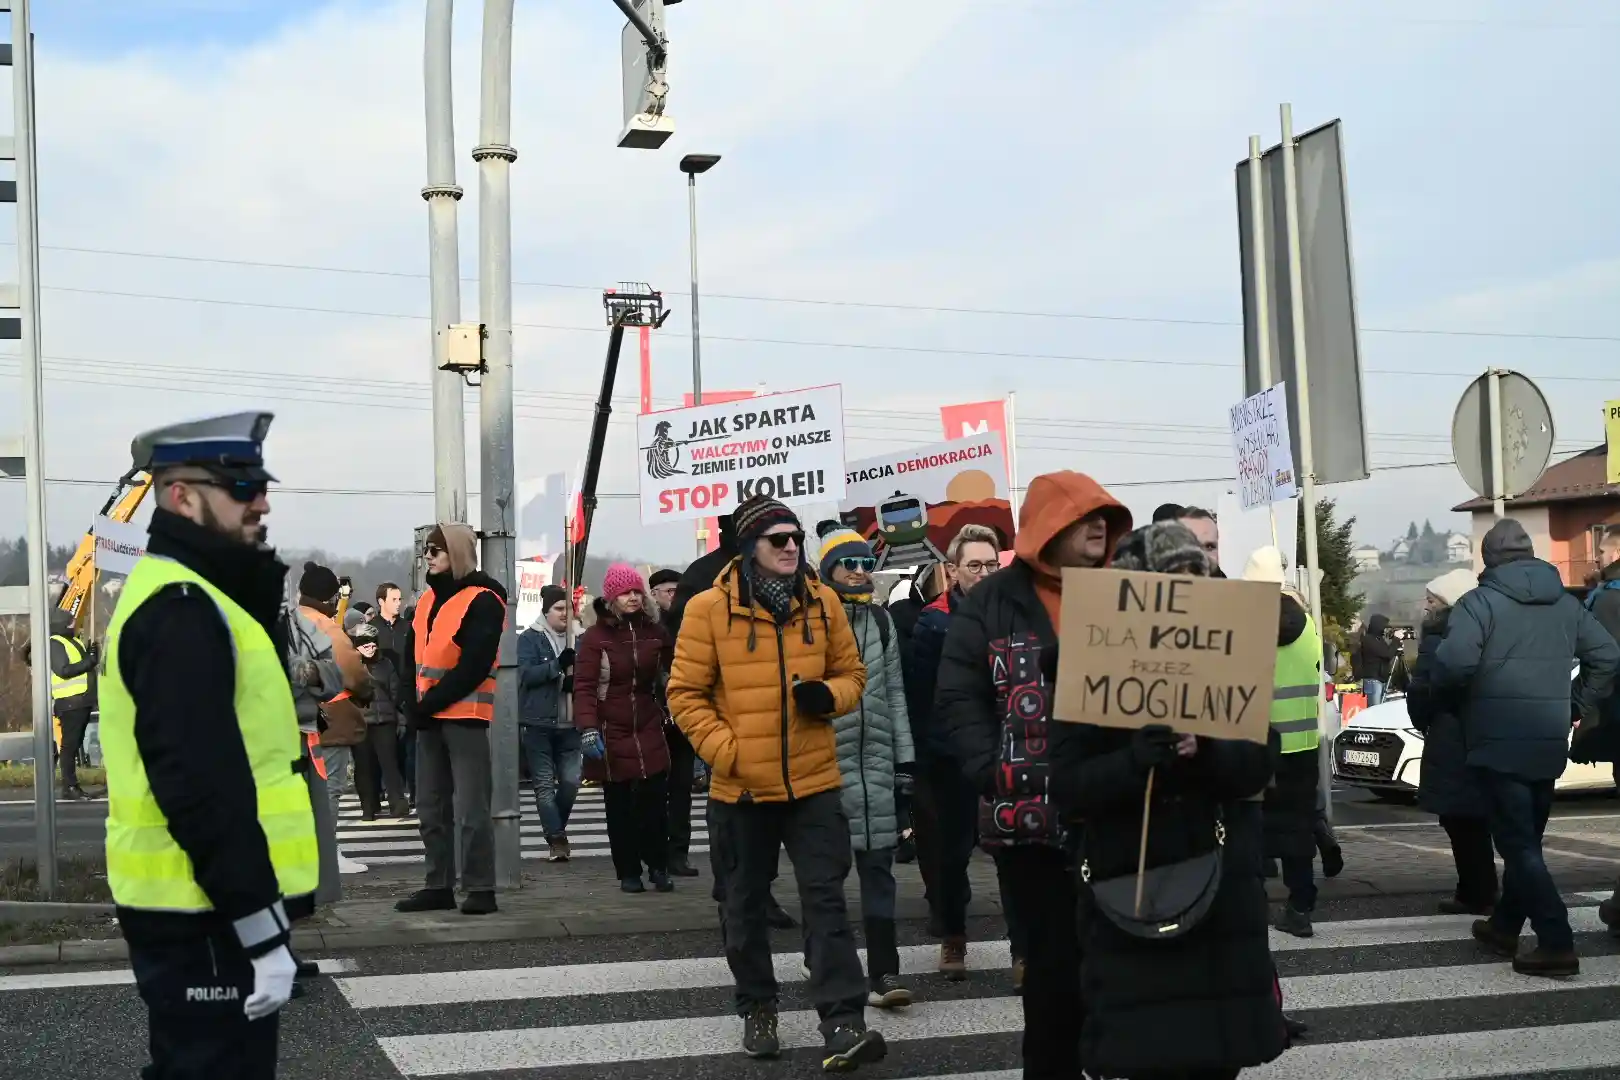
(210, 834)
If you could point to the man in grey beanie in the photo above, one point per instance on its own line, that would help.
(1508, 649)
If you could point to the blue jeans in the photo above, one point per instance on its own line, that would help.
(556, 764)
(1374, 689)
(1517, 810)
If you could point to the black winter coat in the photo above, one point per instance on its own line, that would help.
(995, 707)
(1510, 646)
(1290, 804)
(1604, 743)
(1375, 654)
(1445, 785)
(1207, 999)
(920, 655)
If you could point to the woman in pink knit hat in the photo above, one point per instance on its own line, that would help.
(619, 675)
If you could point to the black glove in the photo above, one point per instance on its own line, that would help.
(814, 698)
(1049, 662)
(565, 659)
(1153, 747)
(905, 779)
(568, 684)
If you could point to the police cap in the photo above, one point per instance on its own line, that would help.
(228, 446)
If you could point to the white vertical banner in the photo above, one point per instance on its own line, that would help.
(119, 545)
(1260, 442)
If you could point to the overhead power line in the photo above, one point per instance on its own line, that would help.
(855, 345)
(939, 309)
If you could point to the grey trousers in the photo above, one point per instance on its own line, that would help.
(339, 761)
(329, 889)
(452, 793)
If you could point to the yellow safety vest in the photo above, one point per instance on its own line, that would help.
(145, 867)
(1297, 692)
(75, 686)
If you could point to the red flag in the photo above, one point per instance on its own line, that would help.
(646, 369)
(976, 418)
(711, 526)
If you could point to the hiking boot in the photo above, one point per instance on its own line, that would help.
(567, 849)
(1296, 922)
(556, 849)
(1018, 976)
(1609, 915)
(680, 867)
(481, 902)
(1297, 1029)
(953, 958)
(307, 969)
(631, 885)
(428, 900)
(848, 1048)
(885, 992)
(759, 1033)
(660, 881)
(1453, 906)
(1548, 963)
(1502, 944)
(75, 793)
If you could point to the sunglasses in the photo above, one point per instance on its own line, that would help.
(782, 540)
(243, 491)
(863, 564)
(431, 550)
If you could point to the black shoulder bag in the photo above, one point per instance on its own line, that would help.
(1175, 898)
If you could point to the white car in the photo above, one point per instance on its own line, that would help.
(1381, 751)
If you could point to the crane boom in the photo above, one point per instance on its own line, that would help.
(81, 569)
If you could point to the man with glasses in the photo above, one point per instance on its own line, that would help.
(764, 661)
(211, 842)
(945, 808)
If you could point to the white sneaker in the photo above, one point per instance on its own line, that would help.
(347, 865)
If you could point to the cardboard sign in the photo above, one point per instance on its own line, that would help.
(1265, 456)
(1197, 654)
(707, 460)
(532, 576)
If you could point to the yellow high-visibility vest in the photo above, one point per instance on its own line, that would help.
(74, 685)
(1297, 692)
(145, 867)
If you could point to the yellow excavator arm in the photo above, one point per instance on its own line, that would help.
(81, 569)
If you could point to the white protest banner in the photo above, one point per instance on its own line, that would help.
(910, 503)
(533, 575)
(119, 545)
(706, 460)
(1265, 457)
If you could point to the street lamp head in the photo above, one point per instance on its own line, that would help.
(694, 164)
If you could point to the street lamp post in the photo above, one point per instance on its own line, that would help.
(692, 165)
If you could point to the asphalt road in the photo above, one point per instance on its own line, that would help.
(80, 828)
(1389, 989)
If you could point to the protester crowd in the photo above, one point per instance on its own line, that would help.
(847, 731)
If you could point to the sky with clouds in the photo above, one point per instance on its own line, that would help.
(231, 212)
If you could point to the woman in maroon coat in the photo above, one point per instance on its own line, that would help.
(619, 674)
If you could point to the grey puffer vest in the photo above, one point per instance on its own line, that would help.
(875, 737)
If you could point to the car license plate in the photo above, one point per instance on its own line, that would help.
(1360, 757)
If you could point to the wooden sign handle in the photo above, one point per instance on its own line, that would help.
(1141, 850)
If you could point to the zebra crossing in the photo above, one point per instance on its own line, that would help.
(1399, 998)
(398, 841)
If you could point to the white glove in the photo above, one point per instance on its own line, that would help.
(272, 983)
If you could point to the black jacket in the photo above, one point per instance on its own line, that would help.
(480, 641)
(1207, 999)
(1290, 803)
(1444, 785)
(1510, 646)
(700, 576)
(1601, 742)
(995, 707)
(177, 660)
(1375, 655)
(920, 659)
